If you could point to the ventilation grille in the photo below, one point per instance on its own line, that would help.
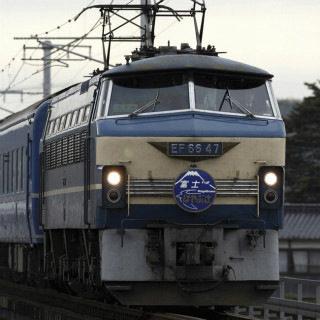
(67, 150)
(164, 187)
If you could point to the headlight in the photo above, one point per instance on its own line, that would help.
(114, 186)
(270, 179)
(271, 187)
(113, 178)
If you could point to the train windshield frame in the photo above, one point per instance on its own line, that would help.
(147, 94)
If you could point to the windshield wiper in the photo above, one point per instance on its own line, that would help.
(234, 103)
(152, 104)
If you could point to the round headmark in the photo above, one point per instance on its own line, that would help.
(194, 190)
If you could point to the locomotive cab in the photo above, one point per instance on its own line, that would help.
(192, 137)
(198, 87)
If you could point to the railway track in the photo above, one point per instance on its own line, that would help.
(40, 303)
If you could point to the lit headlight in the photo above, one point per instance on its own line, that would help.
(271, 187)
(270, 179)
(113, 178)
(114, 186)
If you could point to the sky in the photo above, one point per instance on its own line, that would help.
(279, 36)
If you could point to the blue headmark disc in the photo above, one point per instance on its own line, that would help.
(194, 190)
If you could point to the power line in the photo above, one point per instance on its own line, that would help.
(42, 33)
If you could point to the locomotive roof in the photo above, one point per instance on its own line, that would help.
(167, 63)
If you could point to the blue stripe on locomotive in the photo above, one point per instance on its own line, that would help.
(242, 216)
(191, 124)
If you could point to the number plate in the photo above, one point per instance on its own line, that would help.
(213, 149)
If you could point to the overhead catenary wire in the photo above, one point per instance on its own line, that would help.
(72, 44)
(56, 54)
(14, 59)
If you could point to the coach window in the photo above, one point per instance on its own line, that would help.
(18, 171)
(5, 172)
(12, 172)
(8, 173)
(1, 189)
(15, 170)
(4, 168)
(2, 174)
(22, 168)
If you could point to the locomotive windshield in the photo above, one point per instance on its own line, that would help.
(149, 93)
(142, 94)
(234, 95)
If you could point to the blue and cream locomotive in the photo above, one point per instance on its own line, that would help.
(155, 183)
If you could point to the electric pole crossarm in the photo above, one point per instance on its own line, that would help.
(68, 51)
(129, 7)
(56, 38)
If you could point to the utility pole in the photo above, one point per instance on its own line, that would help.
(146, 25)
(46, 46)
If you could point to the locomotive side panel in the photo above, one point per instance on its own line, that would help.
(65, 147)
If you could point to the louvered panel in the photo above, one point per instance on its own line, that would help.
(64, 151)
(53, 155)
(82, 145)
(70, 149)
(59, 153)
(236, 187)
(141, 187)
(164, 187)
(47, 151)
(77, 147)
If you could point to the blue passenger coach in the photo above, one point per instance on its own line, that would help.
(19, 169)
